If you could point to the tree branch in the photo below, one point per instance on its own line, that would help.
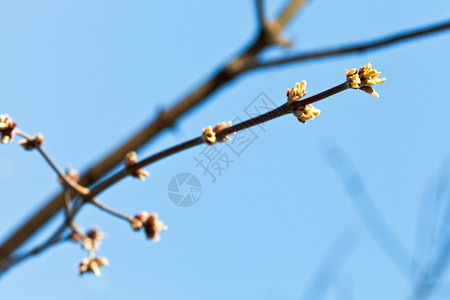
(359, 47)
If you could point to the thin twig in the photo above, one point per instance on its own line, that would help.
(78, 188)
(359, 47)
(369, 213)
(103, 207)
(335, 257)
(282, 110)
(428, 281)
(260, 12)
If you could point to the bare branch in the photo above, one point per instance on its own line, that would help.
(359, 47)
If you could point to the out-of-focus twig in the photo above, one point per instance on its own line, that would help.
(260, 12)
(110, 211)
(338, 253)
(52, 241)
(352, 48)
(368, 212)
(67, 180)
(433, 215)
(430, 279)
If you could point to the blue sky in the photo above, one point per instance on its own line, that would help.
(87, 75)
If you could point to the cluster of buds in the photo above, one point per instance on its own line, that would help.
(297, 92)
(32, 143)
(304, 112)
(209, 133)
(91, 241)
(93, 265)
(7, 126)
(150, 223)
(363, 79)
(130, 162)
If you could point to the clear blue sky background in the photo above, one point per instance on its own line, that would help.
(88, 74)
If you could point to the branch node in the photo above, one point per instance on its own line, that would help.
(30, 144)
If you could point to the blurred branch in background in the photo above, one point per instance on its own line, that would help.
(390, 40)
(333, 261)
(432, 233)
(260, 13)
(368, 212)
(433, 214)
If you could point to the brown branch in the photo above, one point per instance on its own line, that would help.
(359, 47)
(166, 119)
(67, 202)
